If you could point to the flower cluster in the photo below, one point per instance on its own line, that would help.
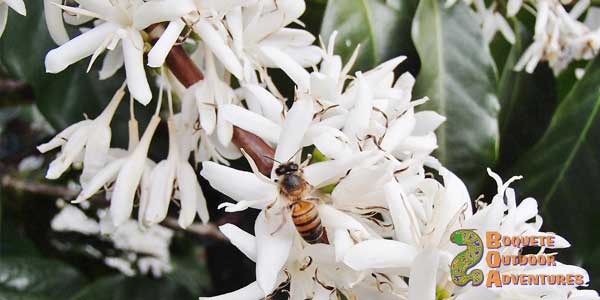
(386, 220)
(560, 36)
(144, 250)
(239, 38)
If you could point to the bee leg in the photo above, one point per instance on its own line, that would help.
(280, 224)
(269, 208)
(314, 199)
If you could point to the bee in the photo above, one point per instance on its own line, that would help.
(305, 215)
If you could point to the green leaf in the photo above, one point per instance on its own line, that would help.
(62, 98)
(562, 170)
(527, 102)
(191, 274)
(120, 287)
(37, 278)
(458, 74)
(382, 28)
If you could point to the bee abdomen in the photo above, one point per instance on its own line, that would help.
(308, 223)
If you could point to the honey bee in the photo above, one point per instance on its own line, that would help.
(305, 214)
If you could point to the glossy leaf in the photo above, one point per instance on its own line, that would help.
(527, 102)
(120, 287)
(36, 278)
(562, 170)
(62, 98)
(458, 74)
(382, 28)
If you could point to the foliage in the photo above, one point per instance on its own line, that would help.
(458, 75)
(537, 125)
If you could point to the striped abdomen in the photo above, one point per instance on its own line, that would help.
(308, 223)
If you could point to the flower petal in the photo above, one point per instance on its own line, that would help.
(129, 177)
(160, 50)
(242, 240)
(189, 193)
(422, 282)
(3, 17)
(17, 5)
(134, 67)
(238, 185)
(252, 122)
(78, 48)
(96, 152)
(321, 173)
(359, 116)
(295, 126)
(61, 138)
(153, 12)
(380, 254)
(54, 21)
(218, 47)
(273, 246)
(293, 69)
(271, 107)
(102, 178)
(427, 121)
(402, 226)
(161, 188)
(70, 151)
(113, 61)
(335, 219)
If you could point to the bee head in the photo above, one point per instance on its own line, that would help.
(287, 168)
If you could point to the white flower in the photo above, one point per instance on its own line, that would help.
(423, 227)
(210, 95)
(147, 247)
(71, 218)
(245, 35)
(262, 39)
(513, 7)
(257, 191)
(89, 139)
(309, 272)
(126, 171)
(114, 26)
(206, 20)
(53, 15)
(17, 5)
(559, 37)
(174, 169)
(493, 21)
(201, 125)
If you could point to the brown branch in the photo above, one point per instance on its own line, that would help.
(188, 74)
(259, 150)
(38, 187)
(12, 85)
(15, 93)
(209, 230)
(183, 67)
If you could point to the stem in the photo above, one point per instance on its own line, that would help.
(256, 147)
(188, 74)
(209, 230)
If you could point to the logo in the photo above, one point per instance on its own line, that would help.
(467, 259)
(463, 272)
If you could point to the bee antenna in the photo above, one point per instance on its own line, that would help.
(294, 154)
(270, 158)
